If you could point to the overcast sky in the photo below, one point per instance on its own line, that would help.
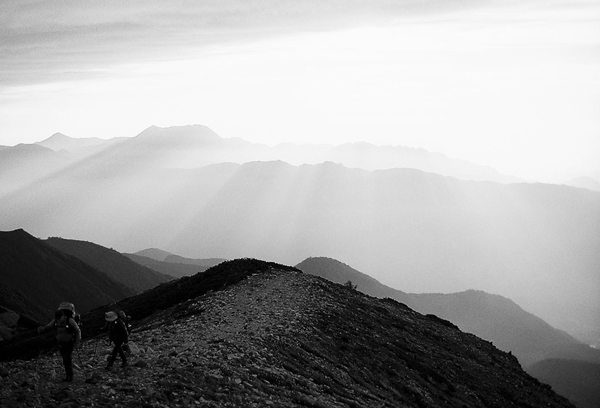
(511, 84)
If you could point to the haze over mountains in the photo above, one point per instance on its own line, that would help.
(412, 230)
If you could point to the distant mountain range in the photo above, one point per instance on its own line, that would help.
(173, 265)
(414, 230)
(195, 146)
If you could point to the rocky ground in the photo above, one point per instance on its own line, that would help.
(284, 339)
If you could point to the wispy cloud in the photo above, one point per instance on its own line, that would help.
(43, 41)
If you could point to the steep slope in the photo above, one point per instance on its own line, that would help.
(115, 265)
(576, 380)
(488, 316)
(272, 336)
(48, 276)
(18, 313)
(338, 272)
(22, 305)
(502, 321)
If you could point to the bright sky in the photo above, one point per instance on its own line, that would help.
(510, 84)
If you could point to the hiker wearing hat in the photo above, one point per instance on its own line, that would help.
(117, 333)
(68, 335)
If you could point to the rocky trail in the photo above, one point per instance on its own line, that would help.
(283, 339)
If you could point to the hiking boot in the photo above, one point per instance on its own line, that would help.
(125, 364)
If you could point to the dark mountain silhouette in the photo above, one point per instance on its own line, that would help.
(252, 333)
(577, 380)
(177, 270)
(491, 317)
(48, 276)
(18, 313)
(115, 265)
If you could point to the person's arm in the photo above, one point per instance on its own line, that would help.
(124, 328)
(42, 329)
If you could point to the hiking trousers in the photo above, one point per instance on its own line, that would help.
(66, 352)
(117, 350)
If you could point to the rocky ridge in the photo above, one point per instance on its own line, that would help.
(284, 339)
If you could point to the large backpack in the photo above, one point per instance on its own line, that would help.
(64, 332)
(125, 318)
(117, 329)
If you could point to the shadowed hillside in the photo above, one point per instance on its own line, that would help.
(18, 313)
(576, 380)
(115, 265)
(48, 276)
(22, 305)
(267, 335)
(488, 316)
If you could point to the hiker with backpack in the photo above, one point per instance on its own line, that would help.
(118, 334)
(68, 335)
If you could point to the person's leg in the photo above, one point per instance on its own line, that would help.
(66, 351)
(113, 356)
(122, 355)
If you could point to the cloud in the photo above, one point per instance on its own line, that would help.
(44, 41)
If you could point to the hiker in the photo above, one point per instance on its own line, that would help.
(68, 335)
(118, 334)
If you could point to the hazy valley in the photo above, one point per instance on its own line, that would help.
(513, 263)
(413, 230)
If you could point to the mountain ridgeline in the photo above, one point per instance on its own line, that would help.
(47, 276)
(118, 267)
(423, 232)
(248, 332)
(571, 367)
(491, 317)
